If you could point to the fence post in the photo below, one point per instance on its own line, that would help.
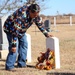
(70, 20)
(55, 21)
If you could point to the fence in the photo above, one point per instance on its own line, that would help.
(60, 19)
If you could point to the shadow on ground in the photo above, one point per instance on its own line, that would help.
(59, 73)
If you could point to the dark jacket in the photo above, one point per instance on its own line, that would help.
(18, 23)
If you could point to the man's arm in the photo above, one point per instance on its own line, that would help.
(39, 23)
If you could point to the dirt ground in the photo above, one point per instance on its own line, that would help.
(66, 35)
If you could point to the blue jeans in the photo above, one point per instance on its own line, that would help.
(21, 52)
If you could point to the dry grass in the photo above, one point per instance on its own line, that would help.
(66, 35)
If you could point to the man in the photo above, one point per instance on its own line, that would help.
(15, 28)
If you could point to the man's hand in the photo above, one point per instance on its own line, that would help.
(49, 36)
(13, 49)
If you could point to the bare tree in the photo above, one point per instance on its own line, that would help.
(33, 1)
(7, 6)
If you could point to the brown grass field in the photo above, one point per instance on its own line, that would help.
(66, 35)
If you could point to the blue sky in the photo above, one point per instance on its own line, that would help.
(56, 7)
(59, 7)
